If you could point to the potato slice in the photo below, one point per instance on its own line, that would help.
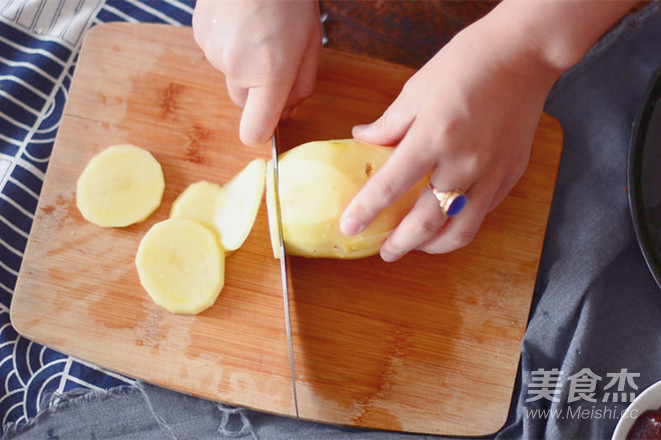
(274, 229)
(181, 265)
(238, 204)
(198, 202)
(120, 186)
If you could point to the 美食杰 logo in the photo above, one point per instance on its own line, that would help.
(587, 394)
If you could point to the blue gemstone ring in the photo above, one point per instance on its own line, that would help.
(452, 202)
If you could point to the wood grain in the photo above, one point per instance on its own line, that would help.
(427, 344)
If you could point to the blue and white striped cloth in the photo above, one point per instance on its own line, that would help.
(39, 43)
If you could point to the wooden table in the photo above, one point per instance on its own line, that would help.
(403, 32)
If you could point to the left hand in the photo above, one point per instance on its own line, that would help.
(469, 115)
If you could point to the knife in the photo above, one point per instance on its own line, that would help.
(283, 264)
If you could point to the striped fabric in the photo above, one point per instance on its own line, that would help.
(39, 43)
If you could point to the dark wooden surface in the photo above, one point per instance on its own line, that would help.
(403, 32)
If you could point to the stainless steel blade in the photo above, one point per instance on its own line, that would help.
(283, 265)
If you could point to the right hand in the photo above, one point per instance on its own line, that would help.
(467, 120)
(268, 51)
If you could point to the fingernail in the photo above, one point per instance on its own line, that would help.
(349, 226)
(357, 130)
(388, 257)
(253, 138)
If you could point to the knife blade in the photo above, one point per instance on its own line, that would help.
(283, 264)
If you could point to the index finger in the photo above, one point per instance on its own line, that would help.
(405, 167)
(261, 113)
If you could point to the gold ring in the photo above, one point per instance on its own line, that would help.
(451, 202)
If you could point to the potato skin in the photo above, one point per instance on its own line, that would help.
(317, 180)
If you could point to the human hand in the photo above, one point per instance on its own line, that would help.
(268, 51)
(469, 116)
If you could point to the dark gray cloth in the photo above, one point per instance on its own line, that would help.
(596, 305)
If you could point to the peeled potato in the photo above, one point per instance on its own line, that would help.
(238, 203)
(120, 186)
(181, 265)
(317, 181)
(197, 202)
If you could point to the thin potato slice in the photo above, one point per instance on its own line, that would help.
(238, 204)
(181, 265)
(274, 229)
(198, 202)
(120, 186)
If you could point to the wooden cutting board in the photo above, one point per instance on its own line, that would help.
(428, 344)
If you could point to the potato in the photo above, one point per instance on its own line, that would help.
(181, 265)
(198, 202)
(120, 186)
(238, 203)
(317, 181)
(181, 261)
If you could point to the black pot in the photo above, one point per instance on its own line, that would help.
(644, 177)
